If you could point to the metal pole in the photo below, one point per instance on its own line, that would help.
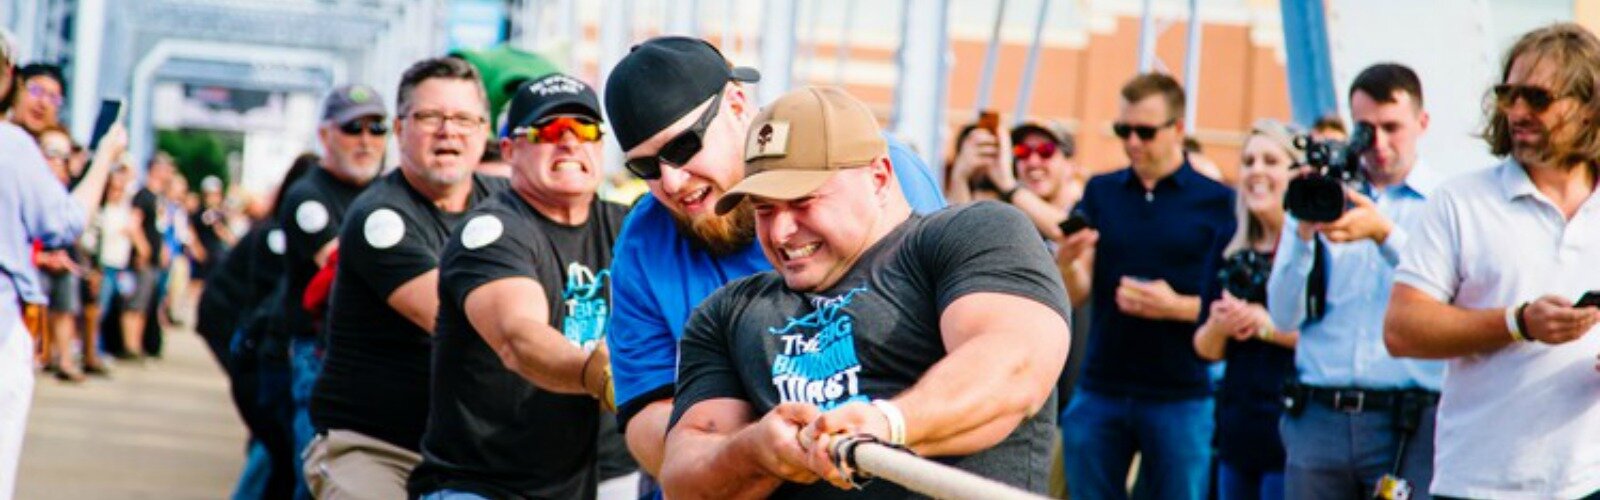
(1025, 95)
(1147, 38)
(682, 18)
(990, 56)
(616, 36)
(842, 52)
(89, 25)
(777, 49)
(810, 65)
(919, 103)
(1191, 67)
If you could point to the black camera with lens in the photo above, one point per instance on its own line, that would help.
(1319, 196)
(1244, 275)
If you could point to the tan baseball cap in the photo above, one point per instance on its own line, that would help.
(798, 143)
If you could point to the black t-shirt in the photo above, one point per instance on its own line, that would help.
(221, 304)
(149, 206)
(375, 377)
(1249, 401)
(875, 333)
(491, 431)
(310, 213)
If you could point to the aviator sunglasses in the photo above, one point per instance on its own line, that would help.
(1538, 99)
(680, 149)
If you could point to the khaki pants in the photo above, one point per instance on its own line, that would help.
(344, 464)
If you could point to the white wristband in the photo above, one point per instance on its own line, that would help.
(897, 421)
(1511, 323)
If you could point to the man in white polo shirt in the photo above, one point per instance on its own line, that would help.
(1492, 279)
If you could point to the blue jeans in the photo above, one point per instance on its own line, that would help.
(1234, 483)
(305, 359)
(257, 469)
(1337, 455)
(1102, 433)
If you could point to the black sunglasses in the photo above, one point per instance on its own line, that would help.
(1538, 99)
(680, 149)
(1145, 132)
(354, 127)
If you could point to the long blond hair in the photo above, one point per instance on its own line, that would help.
(1575, 53)
(1251, 229)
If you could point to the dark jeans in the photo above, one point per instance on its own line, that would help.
(277, 407)
(305, 356)
(1234, 483)
(1173, 438)
(1339, 455)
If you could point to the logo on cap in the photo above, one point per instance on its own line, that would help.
(558, 84)
(771, 141)
(359, 94)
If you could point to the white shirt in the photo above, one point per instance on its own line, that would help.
(116, 250)
(1523, 421)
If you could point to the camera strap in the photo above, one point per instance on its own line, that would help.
(1317, 282)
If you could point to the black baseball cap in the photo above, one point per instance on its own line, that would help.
(552, 95)
(349, 102)
(663, 79)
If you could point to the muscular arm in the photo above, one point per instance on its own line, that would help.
(1419, 326)
(1005, 354)
(646, 435)
(418, 300)
(719, 451)
(512, 316)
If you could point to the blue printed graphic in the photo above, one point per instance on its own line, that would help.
(817, 363)
(587, 310)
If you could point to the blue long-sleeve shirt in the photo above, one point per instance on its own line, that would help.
(1345, 348)
(33, 205)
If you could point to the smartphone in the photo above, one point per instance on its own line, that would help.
(989, 120)
(1074, 223)
(110, 113)
(1591, 299)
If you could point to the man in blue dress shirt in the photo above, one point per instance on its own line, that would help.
(1355, 404)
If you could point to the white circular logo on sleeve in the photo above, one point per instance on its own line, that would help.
(384, 228)
(311, 216)
(481, 230)
(275, 242)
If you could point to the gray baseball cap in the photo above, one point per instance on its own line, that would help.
(348, 102)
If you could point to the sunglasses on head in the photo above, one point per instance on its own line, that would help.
(1145, 132)
(354, 127)
(551, 130)
(680, 149)
(1538, 99)
(1044, 150)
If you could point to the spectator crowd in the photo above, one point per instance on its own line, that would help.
(480, 322)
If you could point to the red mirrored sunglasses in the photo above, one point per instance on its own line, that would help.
(1044, 150)
(551, 130)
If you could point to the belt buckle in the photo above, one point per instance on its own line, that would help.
(1340, 401)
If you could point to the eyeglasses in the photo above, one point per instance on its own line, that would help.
(680, 149)
(1044, 150)
(1145, 132)
(430, 121)
(552, 129)
(39, 92)
(374, 127)
(1538, 99)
